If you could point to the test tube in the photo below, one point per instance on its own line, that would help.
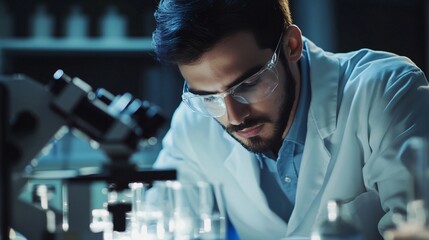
(417, 155)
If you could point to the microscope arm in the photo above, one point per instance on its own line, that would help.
(34, 114)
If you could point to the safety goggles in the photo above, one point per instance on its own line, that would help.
(251, 90)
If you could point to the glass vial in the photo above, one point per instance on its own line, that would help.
(335, 227)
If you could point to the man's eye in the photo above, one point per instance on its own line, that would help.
(251, 82)
(209, 99)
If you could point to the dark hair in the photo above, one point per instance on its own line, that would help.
(188, 28)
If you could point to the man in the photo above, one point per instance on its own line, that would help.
(284, 125)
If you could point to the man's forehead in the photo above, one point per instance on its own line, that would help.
(229, 51)
(238, 41)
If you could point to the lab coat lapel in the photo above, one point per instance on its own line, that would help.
(244, 167)
(324, 77)
(314, 165)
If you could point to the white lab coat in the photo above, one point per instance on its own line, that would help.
(364, 107)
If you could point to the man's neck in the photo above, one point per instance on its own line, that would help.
(295, 71)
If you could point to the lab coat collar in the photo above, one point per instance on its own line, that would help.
(324, 78)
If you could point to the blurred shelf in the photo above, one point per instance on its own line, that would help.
(90, 45)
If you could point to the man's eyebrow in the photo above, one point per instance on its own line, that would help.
(241, 78)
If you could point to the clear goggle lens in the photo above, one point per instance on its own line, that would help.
(252, 90)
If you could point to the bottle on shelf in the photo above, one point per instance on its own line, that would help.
(5, 21)
(113, 24)
(42, 23)
(77, 23)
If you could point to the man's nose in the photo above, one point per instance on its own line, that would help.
(236, 111)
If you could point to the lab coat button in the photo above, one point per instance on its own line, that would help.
(288, 179)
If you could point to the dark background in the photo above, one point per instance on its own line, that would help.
(37, 37)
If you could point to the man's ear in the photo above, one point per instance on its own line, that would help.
(292, 43)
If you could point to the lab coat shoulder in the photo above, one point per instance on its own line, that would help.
(385, 90)
(382, 89)
(376, 70)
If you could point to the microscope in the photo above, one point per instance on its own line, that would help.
(31, 114)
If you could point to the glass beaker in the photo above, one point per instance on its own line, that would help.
(188, 210)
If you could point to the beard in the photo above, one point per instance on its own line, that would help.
(256, 144)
